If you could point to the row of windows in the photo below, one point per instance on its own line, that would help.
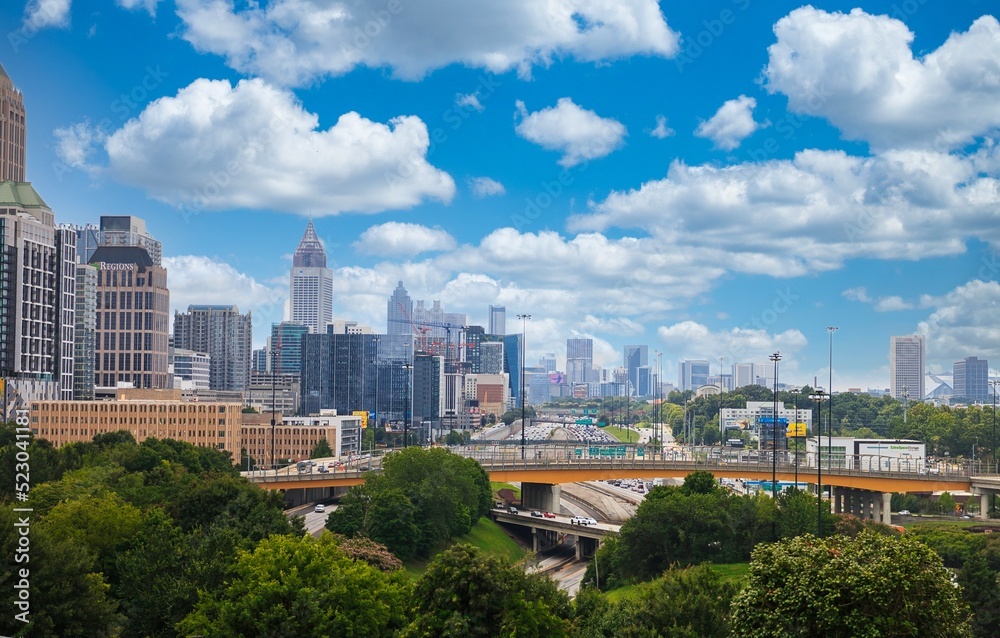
(136, 407)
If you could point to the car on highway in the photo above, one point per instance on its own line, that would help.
(320, 507)
(536, 513)
(582, 520)
(548, 515)
(512, 510)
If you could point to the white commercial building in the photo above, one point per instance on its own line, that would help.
(869, 455)
(343, 432)
(749, 417)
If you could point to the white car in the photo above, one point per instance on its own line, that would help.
(320, 507)
(582, 520)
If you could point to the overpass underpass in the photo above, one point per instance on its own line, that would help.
(857, 489)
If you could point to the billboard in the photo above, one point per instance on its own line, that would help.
(364, 417)
(796, 429)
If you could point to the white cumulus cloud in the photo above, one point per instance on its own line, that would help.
(148, 5)
(197, 279)
(402, 239)
(485, 186)
(859, 71)
(299, 41)
(662, 131)
(217, 146)
(731, 124)
(41, 14)
(963, 323)
(692, 340)
(577, 133)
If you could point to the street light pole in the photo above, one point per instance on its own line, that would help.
(818, 397)
(524, 319)
(774, 444)
(994, 443)
(406, 405)
(829, 421)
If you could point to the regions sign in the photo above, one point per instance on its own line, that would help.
(105, 265)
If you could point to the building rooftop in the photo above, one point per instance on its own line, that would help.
(310, 253)
(20, 194)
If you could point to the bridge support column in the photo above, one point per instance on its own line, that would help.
(540, 496)
(586, 547)
(984, 506)
(887, 508)
(836, 499)
(542, 539)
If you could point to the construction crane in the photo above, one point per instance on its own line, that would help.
(419, 331)
(426, 326)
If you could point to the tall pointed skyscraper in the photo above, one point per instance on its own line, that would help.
(311, 283)
(13, 132)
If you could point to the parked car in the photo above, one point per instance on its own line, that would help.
(548, 515)
(536, 513)
(320, 507)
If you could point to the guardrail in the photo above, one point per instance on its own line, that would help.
(507, 456)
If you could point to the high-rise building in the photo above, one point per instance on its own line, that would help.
(191, 369)
(286, 347)
(579, 360)
(225, 336)
(311, 299)
(83, 345)
(132, 325)
(692, 374)
(339, 372)
(971, 379)
(13, 131)
(744, 374)
(906, 367)
(512, 364)
(635, 358)
(548, 362)
(37, 291)
(425, 391)
(498, 320)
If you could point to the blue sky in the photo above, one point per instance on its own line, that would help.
(714, 179)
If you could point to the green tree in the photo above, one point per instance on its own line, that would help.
(301, 587)
(465, 592)
(868, 586)
(322, 449)
(68, 599)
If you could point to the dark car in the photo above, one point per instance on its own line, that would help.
(536, 513)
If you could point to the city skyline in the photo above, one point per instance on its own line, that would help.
(557, 177)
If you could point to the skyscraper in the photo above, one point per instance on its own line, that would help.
(972, 379)
(579, 360)
(37, 291)
(692, 374)
(635, 358)
(311, 299)
(906, 366)
(13, 131)
(225, 336)
(498, 320)
(286, 343)
(132, 325)
(83, 345)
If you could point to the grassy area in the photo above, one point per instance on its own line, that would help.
(622, 434)
(486, 535)
(736, 572)
(497, 486)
